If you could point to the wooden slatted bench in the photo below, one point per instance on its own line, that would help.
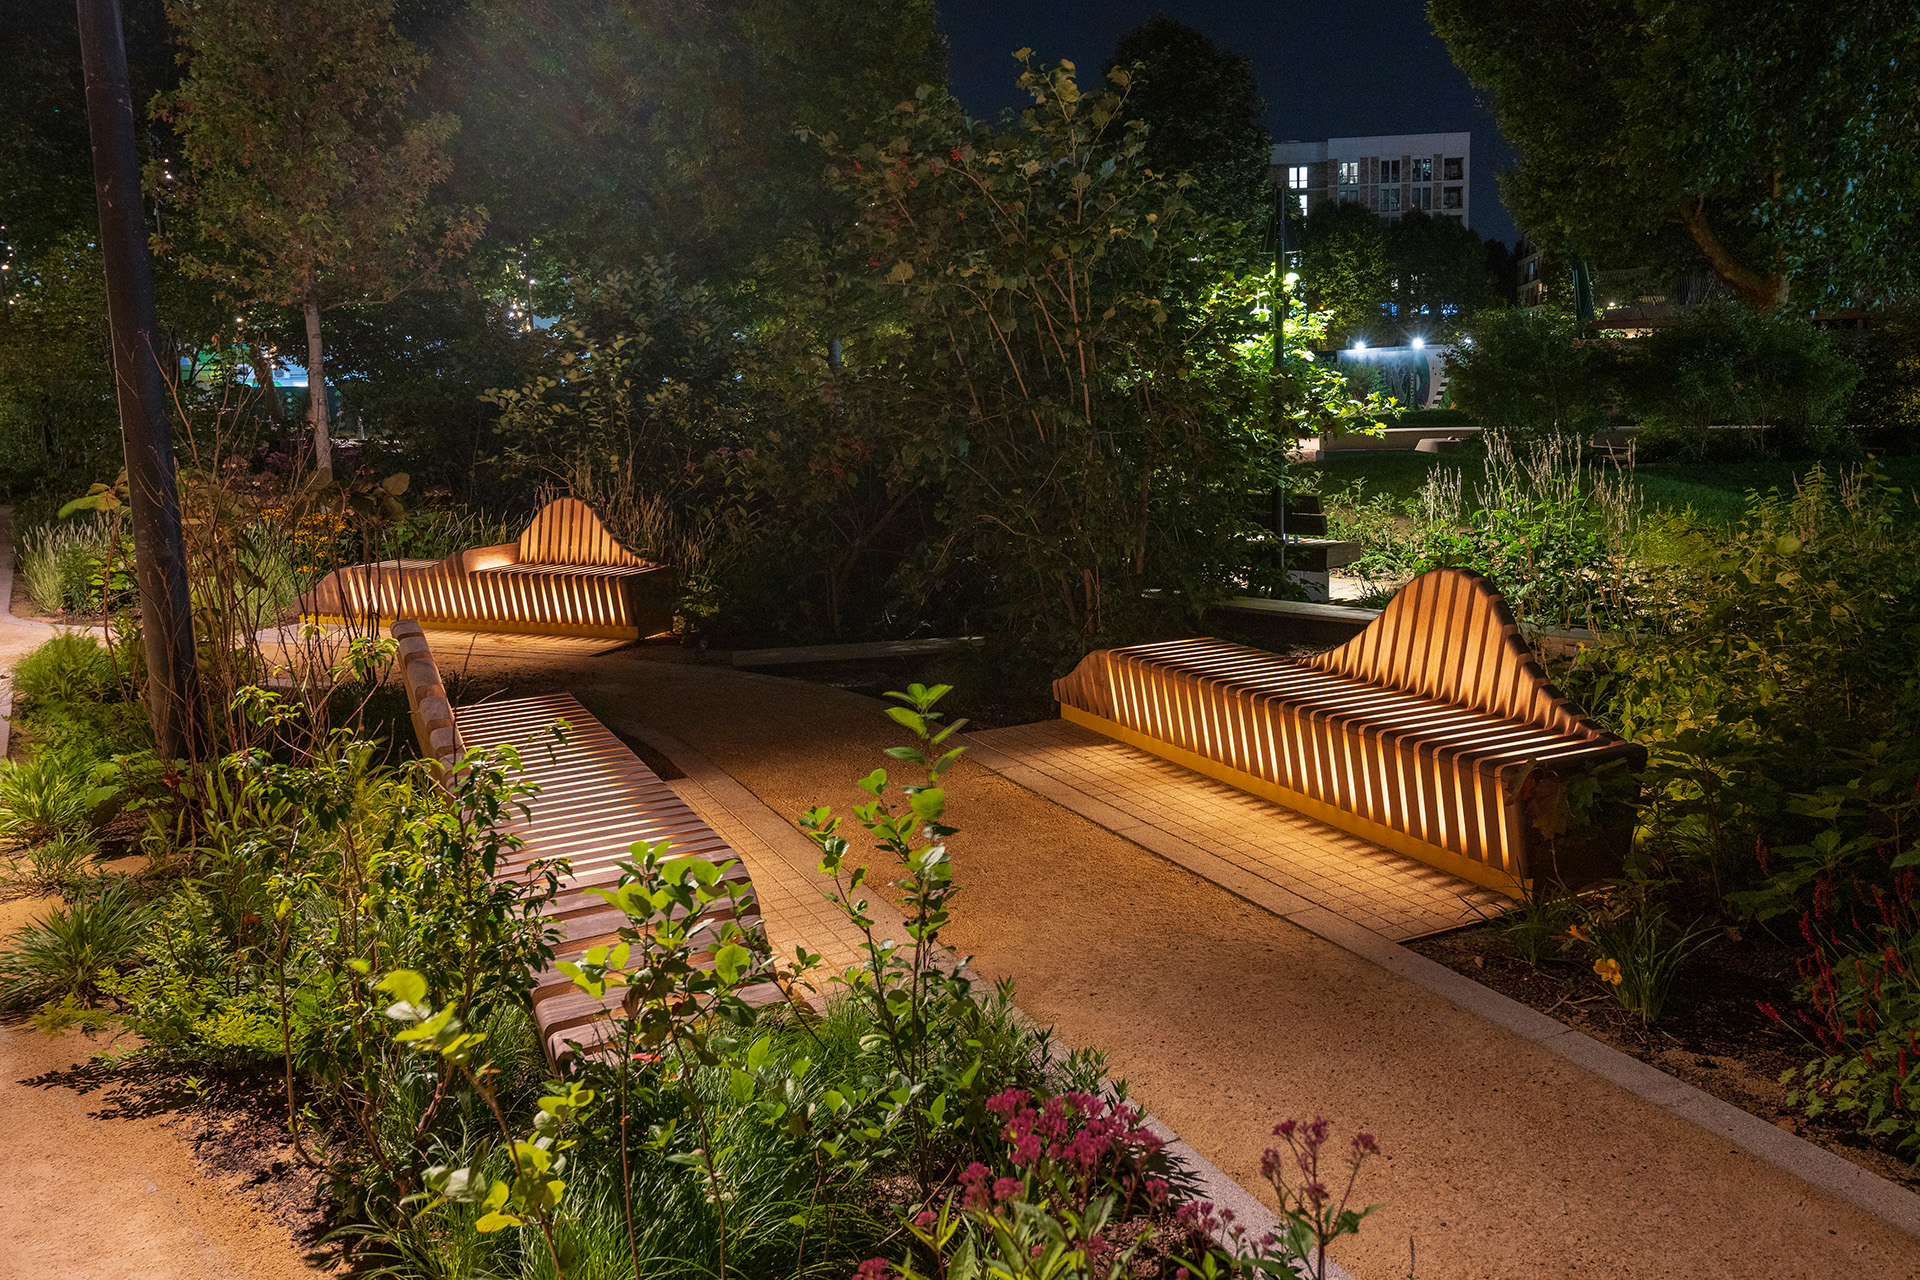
(595, 800)
(1433, 732)
(566, 575)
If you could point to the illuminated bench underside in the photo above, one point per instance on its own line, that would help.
(565, 576)
(1434, 732)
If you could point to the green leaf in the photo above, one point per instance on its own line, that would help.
(928, 803)
(405, 985)
(731, 961)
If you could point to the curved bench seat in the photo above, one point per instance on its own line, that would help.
(594, 800)
(1434, 733)
(566, 575)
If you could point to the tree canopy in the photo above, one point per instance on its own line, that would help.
(1202, 107)
(1392, 278)
(1771, 143)
(306, 183)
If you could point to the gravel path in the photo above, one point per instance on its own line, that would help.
(1505, 1160)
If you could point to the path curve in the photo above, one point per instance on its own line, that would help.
(87, 1198)
(1504, 1159)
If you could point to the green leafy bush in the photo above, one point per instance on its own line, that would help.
(1776, 694)
(49, 796)
(71, 667)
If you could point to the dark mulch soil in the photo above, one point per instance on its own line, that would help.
(1712, 1034)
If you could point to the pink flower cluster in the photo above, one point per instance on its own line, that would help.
(1078, 1130)
(982, 1191)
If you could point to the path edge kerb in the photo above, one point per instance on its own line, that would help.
(787, 841)
(1832, 1174)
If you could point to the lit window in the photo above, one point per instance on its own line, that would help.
(1453, 168)
(1451, 199)
(1389, 199)
(1303, 205)
(1422, 170)
(1297, 177)
(1349, 171)
(1389, 171)
(1420, 198)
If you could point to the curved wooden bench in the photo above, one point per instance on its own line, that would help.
(1433, 732)
(595, 800)
(566, 575)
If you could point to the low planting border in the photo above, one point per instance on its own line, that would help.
(1835, 1175)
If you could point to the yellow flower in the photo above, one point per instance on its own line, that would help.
(1608, 971)
(1577, 932)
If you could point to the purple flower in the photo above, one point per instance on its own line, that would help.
(874, 1269)
(1007, 1188)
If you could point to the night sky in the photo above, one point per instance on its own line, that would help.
(1326, 70)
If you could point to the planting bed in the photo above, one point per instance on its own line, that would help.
(1712, 1035)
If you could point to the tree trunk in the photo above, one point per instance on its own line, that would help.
(317, 397)
(1762, 293)
(263, 374)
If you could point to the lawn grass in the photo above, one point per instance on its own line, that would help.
(1399, 473)
(1715, 491)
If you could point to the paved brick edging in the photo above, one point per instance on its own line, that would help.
(785, 840)
(1836, 1176)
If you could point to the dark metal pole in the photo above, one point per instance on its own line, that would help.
(160, 557)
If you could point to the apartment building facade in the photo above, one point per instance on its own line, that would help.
(1388, 174)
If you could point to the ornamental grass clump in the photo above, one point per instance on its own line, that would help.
(1637, 952)
(74, 951)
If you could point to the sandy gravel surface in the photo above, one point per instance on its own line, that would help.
(87, 1198)
(1505, 1161)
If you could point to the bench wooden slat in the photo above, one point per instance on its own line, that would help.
(566, 575)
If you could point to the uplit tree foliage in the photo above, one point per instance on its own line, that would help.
(1772, 143)
(1068, 359)
(307, 183)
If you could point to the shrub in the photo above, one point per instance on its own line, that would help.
(71, 952)
(71, 667)
(1863, 997)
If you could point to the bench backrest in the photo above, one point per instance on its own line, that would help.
(1448, 635)
(568, 531)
